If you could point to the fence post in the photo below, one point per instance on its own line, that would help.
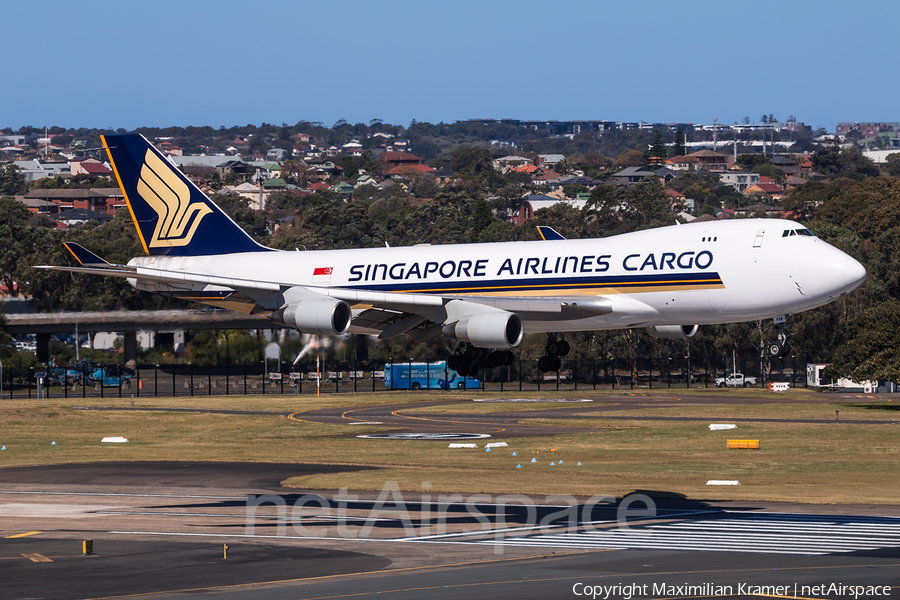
(209, 380)
(191, 375)
(520, 370)
(575, 376)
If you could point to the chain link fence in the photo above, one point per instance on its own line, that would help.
(575, 373)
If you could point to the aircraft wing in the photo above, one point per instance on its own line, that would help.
(375, 312)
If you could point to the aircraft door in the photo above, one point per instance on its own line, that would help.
(757, 242)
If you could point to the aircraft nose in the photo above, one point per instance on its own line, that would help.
(854, 273)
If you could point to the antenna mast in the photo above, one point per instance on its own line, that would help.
(715, 134)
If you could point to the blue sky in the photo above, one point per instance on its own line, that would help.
(162, 63)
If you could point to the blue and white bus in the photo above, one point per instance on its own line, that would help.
(429, 376)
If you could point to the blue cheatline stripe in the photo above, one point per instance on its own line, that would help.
(680, 280)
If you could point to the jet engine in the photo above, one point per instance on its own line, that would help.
(326, 316)
(494, 329)
(673, 332)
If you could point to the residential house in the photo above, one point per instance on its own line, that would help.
(712, 161)
(631, 175)
(772, 190)
(548, 161)
(677, 200)
(276, 154)
(443, 175)
(506, 163)
(34, 170)
(396, 159)
(366, 180)
(101, 200)
(683, 163)
(252, 192)
(38, 206)
(739, 180)
(79, 216)
(770, 211)
(324, 168)
(89, 166)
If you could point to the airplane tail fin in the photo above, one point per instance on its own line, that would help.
(172, 216)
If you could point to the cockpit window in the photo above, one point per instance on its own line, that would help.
(790, 232)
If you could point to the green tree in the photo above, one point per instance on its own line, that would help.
(870, 351)
(804, 198)
(892, 166)
(18, 240)
(867, 208)
(632, 158)
(658, 151)
(12, 181)
(471, 160)
(680, 148)
(849, 162)
(424, 185)
(482, 217)
(571, 190)
(645, 205)
(238, 208)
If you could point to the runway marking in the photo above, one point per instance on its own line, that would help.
(766, 533)
(293, 417)
(18, 535)
(396, 413)
(35, 557)
(244, 497)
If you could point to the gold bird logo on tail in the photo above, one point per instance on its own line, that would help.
(170, 197)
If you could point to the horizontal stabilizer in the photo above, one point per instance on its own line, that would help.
(548, 233)
(85, 256)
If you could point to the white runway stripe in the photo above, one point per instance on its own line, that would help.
(755, 532)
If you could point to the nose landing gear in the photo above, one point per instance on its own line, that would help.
(779, 347)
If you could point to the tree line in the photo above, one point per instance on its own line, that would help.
(854, 210)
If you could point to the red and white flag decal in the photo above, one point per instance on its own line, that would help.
(322, 274)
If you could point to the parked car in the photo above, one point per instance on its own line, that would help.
(736, 380)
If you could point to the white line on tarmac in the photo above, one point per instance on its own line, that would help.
(242, 515)
(129, 495)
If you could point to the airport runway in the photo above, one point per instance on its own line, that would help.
(159, 529)
(403, 420)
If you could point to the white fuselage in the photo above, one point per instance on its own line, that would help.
(712, 272)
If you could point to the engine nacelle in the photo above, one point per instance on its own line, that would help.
(673, 332)
(326, 316)
(494, 329)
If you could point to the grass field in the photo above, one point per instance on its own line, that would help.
(819, 463)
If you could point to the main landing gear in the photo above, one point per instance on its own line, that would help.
(469, 360)
(552, 352)
(779, 347)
